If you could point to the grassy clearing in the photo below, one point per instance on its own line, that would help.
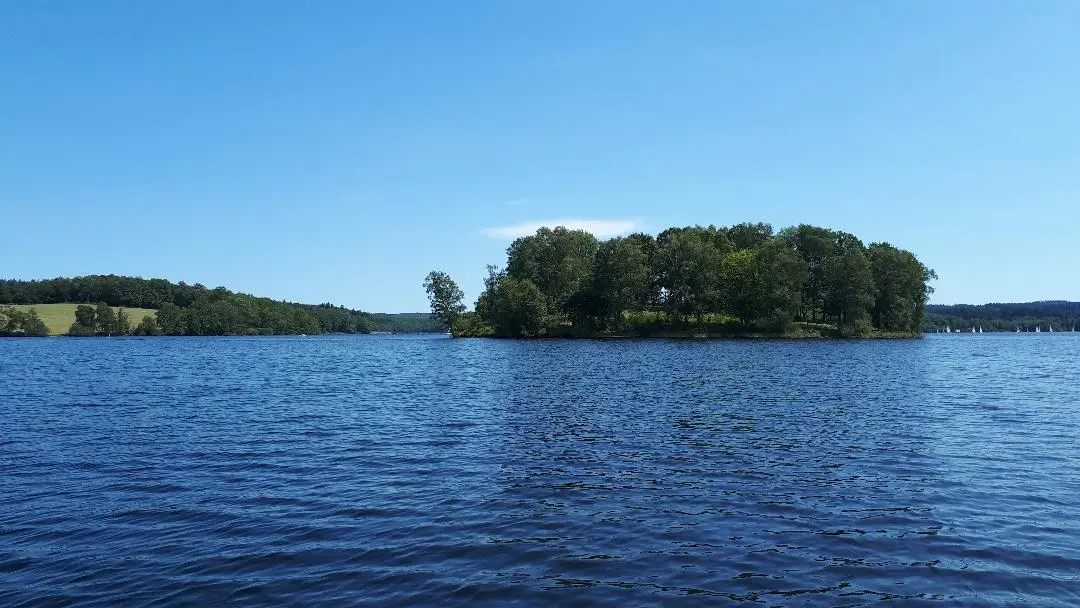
(59, 317)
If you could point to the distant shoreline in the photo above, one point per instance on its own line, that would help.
(795, 332)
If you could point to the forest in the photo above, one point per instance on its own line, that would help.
(743, 280)
(1056, 314)
(195, 310)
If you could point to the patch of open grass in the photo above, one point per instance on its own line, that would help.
(59, 317)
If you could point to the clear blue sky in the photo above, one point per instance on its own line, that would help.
(337, 151)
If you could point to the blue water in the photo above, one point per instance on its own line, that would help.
(388, 470)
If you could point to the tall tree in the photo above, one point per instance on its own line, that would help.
(687, 265)
(622, 279)
(849, 291)
(902, 288)
(445, 297)
(84, 316)
(558, 261)
(105, 320)
(784, 277)
(32, 325)
(743, 288)
(122, 323)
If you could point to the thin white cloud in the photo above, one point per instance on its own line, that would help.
(598, 228)
(517, 202)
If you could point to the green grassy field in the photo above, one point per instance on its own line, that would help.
(59, 317)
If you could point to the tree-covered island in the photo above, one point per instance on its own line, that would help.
(742, 281)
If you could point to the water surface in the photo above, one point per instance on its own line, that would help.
(387, 470)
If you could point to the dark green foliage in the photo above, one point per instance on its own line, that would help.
(749, 236)
(687, 267)
(558, 262)
(146, 327)
(742, 287)
(104, 320)
(1059, 315)
(901, 287)
(515, 308)
(21, 323)
(742, 280)
(86, 321)
(849, 291)
(405, 323)
(100, 320)
(85, 316)
(470, 325)
(622, 280)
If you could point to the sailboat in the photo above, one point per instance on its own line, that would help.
(972, 329)
(1038, 329)
(1051, 328)
(948, 329)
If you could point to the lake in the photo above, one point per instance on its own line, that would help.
(411, 470)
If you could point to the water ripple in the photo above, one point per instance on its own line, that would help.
(426, 471)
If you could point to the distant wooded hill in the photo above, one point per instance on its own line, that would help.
(1004, 317)
(183, 309)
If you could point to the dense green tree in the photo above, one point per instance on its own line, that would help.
(170, 319)
(445, 297)
(558, 261)
(470, 324)
(622, 279)
(85, 317)
(514, 308)
(32, 324)
(105, 320)
(743, 289)
(146, 327)
(122, 324)
(784, 276)
(14, 322)
(687, 266)
(849, 291)
(899, 298)
(749, 236)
